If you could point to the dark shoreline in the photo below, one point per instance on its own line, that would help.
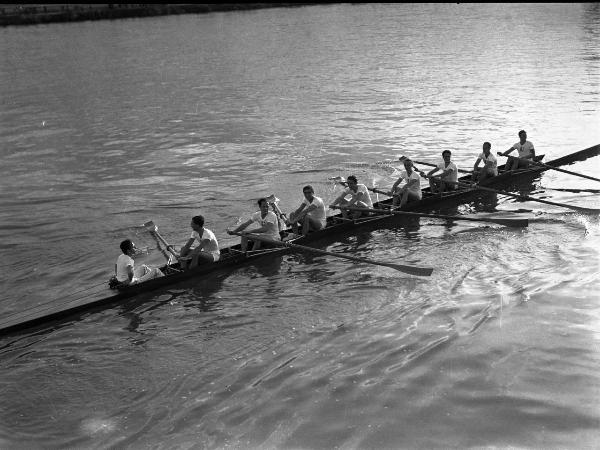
(34, 14)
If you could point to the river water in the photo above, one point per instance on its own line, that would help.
(108, 124)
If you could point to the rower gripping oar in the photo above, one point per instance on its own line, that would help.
(412, 270)
(432, 165)
(342, 181)
(152, 228)
(537, 163)
(506, 222)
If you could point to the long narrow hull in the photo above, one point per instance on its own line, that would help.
(232, 257)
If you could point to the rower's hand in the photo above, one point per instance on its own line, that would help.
(229, 232)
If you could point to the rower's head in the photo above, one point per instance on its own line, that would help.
(486, 148)
(446, 154)
(408, 164)
(352, 182)
(263, 204)
(308, 192)
(197, 223)
(522, 136)
(127, 247)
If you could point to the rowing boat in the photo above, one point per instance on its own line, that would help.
(232, 257)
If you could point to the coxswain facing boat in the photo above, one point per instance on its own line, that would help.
(525, 149)
(411, 191)
(125, 271)
(490, 164)
(311, 214)
(269, 226)
(207, 250)
(359, 198)
(448, 178)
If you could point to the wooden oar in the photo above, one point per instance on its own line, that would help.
(577, 191)
(152, 228)
(412, 270)
(526, 197)
(506, 222)
(537, 163)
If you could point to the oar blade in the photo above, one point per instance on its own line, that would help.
(517, 223)
(411, 270)
(150, 226)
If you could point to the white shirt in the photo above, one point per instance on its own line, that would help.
(361, 188)
(270, 221)
(452, 176)
(524, 150)
(415, 188)
(212, 246)
(490, 162)
(123, 261)
(320, 213)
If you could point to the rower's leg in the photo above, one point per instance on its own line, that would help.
(433, 185)
(404, 199)
(305, 225)
(202, 258)
(244, 244)
(344, 211)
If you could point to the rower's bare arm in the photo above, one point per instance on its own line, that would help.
(186, 248)
(338, 199)
(240, 228)
(477, 164)
(506, 153)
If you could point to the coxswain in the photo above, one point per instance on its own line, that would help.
(125, 271)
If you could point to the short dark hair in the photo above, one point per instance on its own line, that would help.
(126, 245)
(198, 220)
(446, 151)
(522, 132)
(308, 187)
(260, 200)
(353, 178)
(487, 144)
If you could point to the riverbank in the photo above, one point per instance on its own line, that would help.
(33, 14)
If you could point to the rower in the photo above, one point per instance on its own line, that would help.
(490, 164)
(125, 271)
(448, 178)
(359, 197)
(525, 149)
(207, 250)
(311, 214)
(411, 191)
(269, 226)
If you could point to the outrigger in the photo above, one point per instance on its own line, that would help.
(382, 217)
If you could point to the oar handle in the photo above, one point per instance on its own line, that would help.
(377, 191)
(435, 165)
